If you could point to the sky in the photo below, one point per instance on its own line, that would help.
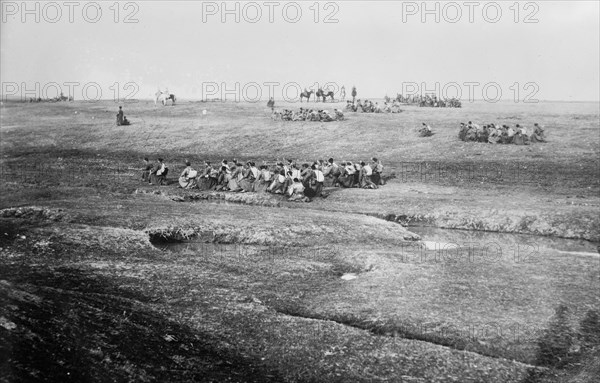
(521, 51)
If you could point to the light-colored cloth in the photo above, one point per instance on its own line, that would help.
(161, 170)
(319, 177)
(187, 179)
(295, 188)
(296, 174)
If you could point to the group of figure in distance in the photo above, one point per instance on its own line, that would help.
(429, 100)
(496, 134)
(368, 106)
(298, 182)
(307, 115)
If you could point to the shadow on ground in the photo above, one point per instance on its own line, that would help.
(69, 325)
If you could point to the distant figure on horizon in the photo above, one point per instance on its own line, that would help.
(271, 103)
(120, 116)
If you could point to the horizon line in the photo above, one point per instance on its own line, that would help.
(13, 98)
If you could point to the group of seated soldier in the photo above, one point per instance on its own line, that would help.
(428, 100)
(496, 134)
(121, 118)
(298, 182)
(155, 173)
(424, 130)
(368, 106)
(308, 115)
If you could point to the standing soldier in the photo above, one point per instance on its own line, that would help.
(120, 116)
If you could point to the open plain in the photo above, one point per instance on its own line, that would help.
(452, 270)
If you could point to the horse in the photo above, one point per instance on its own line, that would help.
(321, 93)
(306, 94)
(164, 97)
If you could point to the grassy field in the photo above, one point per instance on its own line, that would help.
(86, 295)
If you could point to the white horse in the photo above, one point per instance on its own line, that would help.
(163, 97)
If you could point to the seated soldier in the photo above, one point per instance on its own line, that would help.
(295, 190)
(330, 169)
(315, 115)
(359, 106)
(222, 179)
(276, 115)
(234, 178)
(538, 134)
(318, 180)
(357, 168)
(337, 180)
(296, 173)
(518, 138)
(263, 180)
(365, 177)
(339, 115)
(471, 132)
(494, 134)
(524, 134)
(289, 180)
(146, 170)
(213, 176)
(306, 175)
(309, 194)
(125, 121)
(187, 179)
(158, 174)
(484, 134)
(347, 180)
(425, 131)
(462, 133)
(277, 186)
(296, 116)
(377, 170)
(249, 175)
(510, 134)
(206, 180)
(504, 134)
(326, 116)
